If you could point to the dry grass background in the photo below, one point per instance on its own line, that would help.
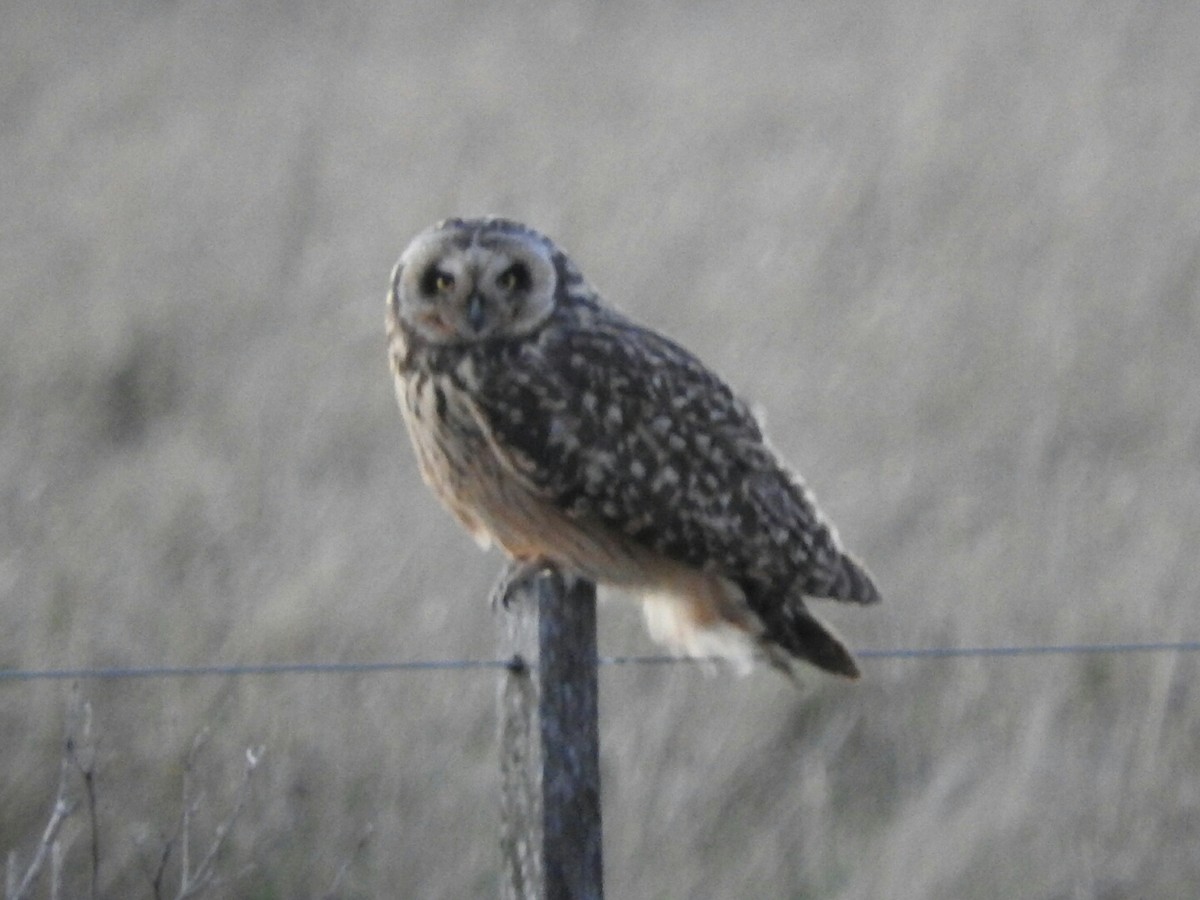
(952, 249)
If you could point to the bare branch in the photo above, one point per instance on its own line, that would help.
(189, 806)
(81, 754)
(157, 879)
(77, 735)
(62, 810)
(192, 884)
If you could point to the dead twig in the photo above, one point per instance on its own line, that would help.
(78, 757)
(62, 810)
(81, 755)
(192, 883)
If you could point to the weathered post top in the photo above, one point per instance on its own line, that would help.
(549, 741)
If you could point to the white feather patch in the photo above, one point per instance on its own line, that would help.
(672, 623)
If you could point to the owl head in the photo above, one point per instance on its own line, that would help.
(466, 280)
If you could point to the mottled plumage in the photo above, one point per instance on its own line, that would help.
(558, 428)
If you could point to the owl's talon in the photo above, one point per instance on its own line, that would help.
(517, 572)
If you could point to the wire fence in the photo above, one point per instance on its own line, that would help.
(359, 668)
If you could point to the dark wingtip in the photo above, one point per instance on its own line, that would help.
(854, 584)
(805, 637)
(835, 658)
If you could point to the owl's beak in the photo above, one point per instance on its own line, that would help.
(476, 312)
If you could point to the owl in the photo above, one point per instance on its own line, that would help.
(555, 427)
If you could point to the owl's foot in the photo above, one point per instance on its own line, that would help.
(517, 573)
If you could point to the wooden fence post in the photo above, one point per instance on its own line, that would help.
(549, 742)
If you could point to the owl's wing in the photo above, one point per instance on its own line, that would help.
(619, 425)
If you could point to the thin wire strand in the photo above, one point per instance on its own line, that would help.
(351, 668)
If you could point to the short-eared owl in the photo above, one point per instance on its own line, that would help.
(557, 428)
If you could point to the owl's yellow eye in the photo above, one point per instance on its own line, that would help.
(514, 277)
(435, 281)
